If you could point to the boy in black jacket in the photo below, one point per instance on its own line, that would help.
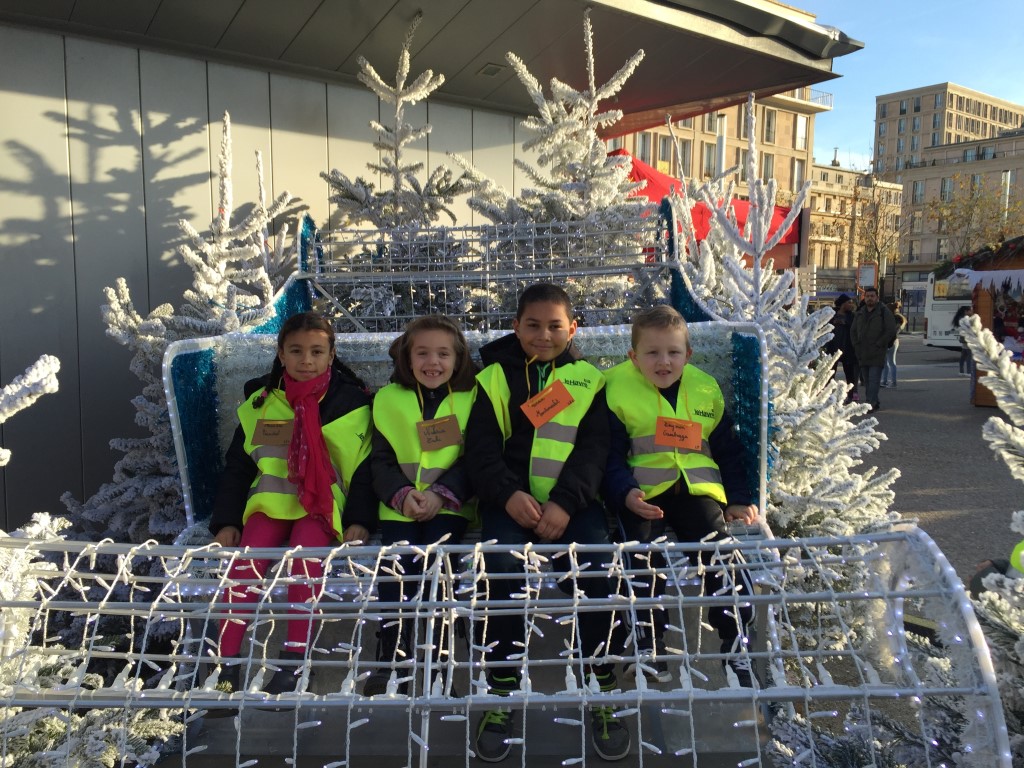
(536, 447)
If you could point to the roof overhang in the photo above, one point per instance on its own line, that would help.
(701, 55)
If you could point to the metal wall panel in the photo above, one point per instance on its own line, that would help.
(349, 136)
(493, 150)
(452, 131)
(298, 114)
(176, 161)
(105, 153)
(37, 262)
(245, 95)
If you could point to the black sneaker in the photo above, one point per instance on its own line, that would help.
(609, 736)
(388, 645)
(286, 678)
(744, 671)
(650, 661)
(229, 682)
(493, 734)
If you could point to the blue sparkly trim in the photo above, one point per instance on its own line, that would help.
(747, 379)
(195, 385)
(683, 301)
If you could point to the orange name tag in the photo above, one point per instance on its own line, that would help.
(273, 432)
(678, 433)
(546, 404)
(439, 433)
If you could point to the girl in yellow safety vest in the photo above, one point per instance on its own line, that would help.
(296, 473)
(419, 420)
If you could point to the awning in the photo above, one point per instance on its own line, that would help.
(660, 184)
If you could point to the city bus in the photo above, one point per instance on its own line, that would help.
(945, 296)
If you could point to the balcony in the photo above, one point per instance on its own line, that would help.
(808, 100)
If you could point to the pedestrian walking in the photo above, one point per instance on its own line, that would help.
(873, 330)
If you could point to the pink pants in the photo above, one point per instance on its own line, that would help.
(262, 531)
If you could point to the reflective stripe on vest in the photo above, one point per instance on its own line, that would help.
(657, 468)
(554, 441)
(348, 444)
(396, 411)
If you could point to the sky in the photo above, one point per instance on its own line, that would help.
(908, 44)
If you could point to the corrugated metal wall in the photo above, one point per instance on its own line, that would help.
(103, 148)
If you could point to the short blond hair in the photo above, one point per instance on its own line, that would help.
(661, 316)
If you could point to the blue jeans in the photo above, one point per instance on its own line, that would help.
(889, 369)
(872, 379)
(587, 526)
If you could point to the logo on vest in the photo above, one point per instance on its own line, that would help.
(576, 383)
(705, 414)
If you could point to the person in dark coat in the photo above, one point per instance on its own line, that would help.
(873, 330)
(842, 342)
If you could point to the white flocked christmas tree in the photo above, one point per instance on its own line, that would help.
(1000, 607)
(231, 291)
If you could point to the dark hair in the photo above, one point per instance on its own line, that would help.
(960, 313)
(464, 374)
(306, 321)
(661, 316)
(545, 292)
(870, 289)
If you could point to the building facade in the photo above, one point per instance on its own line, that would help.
(907, 123)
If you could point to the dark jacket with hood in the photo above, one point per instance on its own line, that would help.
(498, 468)
(343, 396)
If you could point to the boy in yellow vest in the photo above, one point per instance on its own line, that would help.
(675, 460)
(536, 447)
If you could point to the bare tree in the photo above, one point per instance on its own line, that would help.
(972, 211)
(878, 224)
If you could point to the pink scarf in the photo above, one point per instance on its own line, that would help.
(309, 464)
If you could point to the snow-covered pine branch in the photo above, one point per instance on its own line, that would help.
(39, 379)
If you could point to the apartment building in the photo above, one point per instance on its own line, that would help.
(785, 137)
(994, 165)
(852, 218)
(907, 123)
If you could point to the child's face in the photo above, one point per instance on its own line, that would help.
(661, 354)
(306, 354)
(544, 330)
(432, 357)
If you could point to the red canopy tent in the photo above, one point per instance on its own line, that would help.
(659, 184)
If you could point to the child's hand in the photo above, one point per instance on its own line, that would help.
(553, 520)
(745, 513)
(635, 503)
(228, 536)
(355, 533)
(414, 505)
(432, 503)
(524, 509)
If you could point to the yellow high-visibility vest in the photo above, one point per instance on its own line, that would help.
(396, 411)
(636, 402)
(554, 441)
(348, 444)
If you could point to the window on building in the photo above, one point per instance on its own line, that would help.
(915, 143)
(770, 116)
(842, 206)
(915, 222)
(917, 103)
(800, 141)
(917, 194)
(988, 153)
(939, 100)
(685, 123)
(915, 123)
(936, 138)
(903, 106)
(942, 248)
(665, 154)
(744, 113)
(839, 178)
(946, 189)
(882, 129)
(710, 124)
(936, 121)
(975, 181)
(828, 205)
(826, 256)
(684, 162)
(881, 149)
(899, 164)
(900, 145)
(615, 143)
(707, 165)
(767, 166)
(970, 154)
(643, 146)
(798, 173)
(901, 125)
(880, 166)
(913, 251)
(824, 176)
(883, 111)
